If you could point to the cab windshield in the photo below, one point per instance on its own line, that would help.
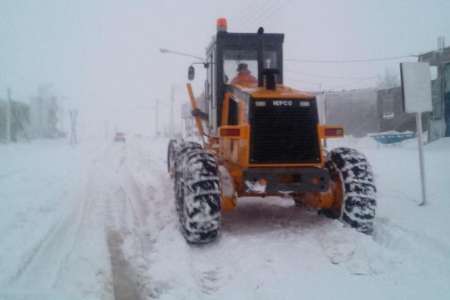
(233, 58)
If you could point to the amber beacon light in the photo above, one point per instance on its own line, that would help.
(222, 24)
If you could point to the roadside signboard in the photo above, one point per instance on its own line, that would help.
(416, 86)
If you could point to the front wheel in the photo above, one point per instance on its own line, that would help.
(357, 207)
(198, 194)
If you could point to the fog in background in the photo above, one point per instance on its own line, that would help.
(102, 57)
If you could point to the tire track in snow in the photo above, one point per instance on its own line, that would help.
(124, 285)
(392, 235)
(412, 246)
(153, 195)
(345, 246)
(87, 208)
(49, 261)
(43, 263)
(143, 196)
(129, 242)
(117, 228)
(32, 253)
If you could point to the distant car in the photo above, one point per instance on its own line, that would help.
(119, 137)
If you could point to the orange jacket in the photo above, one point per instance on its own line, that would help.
(244, 78)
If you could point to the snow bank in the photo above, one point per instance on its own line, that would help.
(99, 221)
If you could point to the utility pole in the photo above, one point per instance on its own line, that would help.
(421, 159)
(106, 123)
(322, 104)
(156, 111)
(8, 116)
(441, 43)
(172, 100)
(73, 113)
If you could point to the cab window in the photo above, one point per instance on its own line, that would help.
(232, 59)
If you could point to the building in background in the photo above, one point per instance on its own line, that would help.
(439, 60)
(355, 110)
(45, 115)
(391, 113)
(19, 120)
(365, 111)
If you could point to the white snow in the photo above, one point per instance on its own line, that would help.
(98, 221)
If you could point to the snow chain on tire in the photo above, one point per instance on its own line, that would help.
(197, 192)
(358, 187)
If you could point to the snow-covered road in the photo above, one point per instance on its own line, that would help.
(98, 222)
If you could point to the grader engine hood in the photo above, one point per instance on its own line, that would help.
(283, 131)
(283, 128)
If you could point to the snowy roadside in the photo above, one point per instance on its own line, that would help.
(43, 223)
(397, 173)
(271, 250)
(100, 223)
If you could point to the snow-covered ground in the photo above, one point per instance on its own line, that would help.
(98, 222)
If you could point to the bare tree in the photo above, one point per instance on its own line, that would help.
(389, 80)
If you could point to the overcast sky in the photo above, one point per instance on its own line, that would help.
(104, 53)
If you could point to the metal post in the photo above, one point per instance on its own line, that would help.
(106, 124)
(324, 95)
(172, 100)
(8, 116)
(421, 158)
(73, 125)
(156, 110)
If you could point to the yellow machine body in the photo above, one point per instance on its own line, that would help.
(232, 147)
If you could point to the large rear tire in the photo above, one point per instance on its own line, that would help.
(198, 194)
(353, 171)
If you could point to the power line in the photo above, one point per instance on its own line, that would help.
(258, 17)
(303, 81)
(253, 19)
(331, 76)
(350, 85)
(168, 51)
(264, 18)
(379, 59)
(244, 14)
(275, 9)
(253, 16)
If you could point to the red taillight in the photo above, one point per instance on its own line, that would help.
(334, 131)
(230, 132)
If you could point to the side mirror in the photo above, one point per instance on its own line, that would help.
(191, 73)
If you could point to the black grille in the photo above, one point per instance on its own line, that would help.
(284, 131)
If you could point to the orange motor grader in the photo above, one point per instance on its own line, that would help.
(260, 138)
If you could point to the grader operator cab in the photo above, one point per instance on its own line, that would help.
(258, 138)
